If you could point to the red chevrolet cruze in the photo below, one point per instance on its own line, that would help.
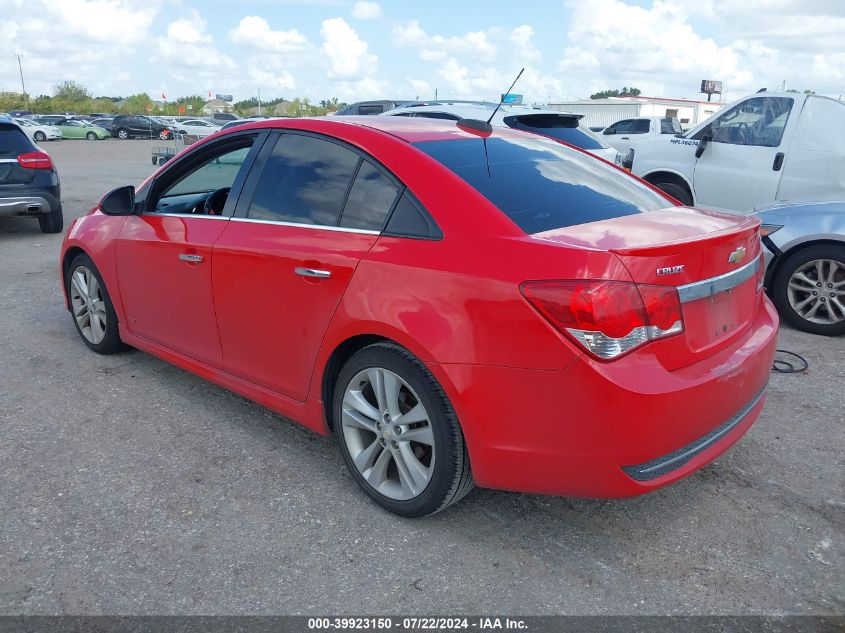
(456, 305)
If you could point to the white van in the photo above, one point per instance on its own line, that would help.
(762, 148)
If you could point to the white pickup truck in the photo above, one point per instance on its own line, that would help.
(623, 133)
(765, 147)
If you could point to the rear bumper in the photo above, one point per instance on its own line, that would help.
(591, 429)
(28, 202)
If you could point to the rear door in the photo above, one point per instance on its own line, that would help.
(311, 209)
(742, 164)
(164, 255)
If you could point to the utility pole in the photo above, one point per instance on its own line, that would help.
(435, 94)
(23, 87)
(259, 102)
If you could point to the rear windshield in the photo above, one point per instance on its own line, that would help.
(13, 141)
(563, 128)
(542, 185)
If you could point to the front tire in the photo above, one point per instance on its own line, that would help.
(91, 136)
(40, 137)
(91, 307)
(809, 289)
(164, 135)
(123, 134)
(398, 433)
(52, 222)
(679, 193)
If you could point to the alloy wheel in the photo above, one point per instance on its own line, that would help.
(388, 433)
(816, 291)
(89, 307)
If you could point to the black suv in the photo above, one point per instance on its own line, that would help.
(128, 126)
(29, 182)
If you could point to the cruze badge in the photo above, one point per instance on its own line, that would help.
(670, 270)
(737, 256)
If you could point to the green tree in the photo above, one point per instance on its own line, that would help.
(624, 92)
(137, 104)
(71, 91)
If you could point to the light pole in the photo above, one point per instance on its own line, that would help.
(23, 87)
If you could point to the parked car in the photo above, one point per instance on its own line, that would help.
(100, 115)
(197, 127)
(133, 126)
(760, 149)
(563, 126)
(371, 107)
(105, 123)
(804, 248)
(29, 182)
(496, 308)
(20, 114)
(53, 119)
(77, 128)
(621, 134)
(238, 122)
(37, 132)
(222, 118)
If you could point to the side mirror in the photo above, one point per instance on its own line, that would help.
(120, 201)
(702, 145)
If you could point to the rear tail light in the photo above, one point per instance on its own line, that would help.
(761, 273)
(607, 318)
(35, 160)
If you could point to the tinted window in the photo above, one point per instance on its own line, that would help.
(670, 126)
(370, 199)
(370, 109)
(438, 115)
(563, 128)
(542, 185)
(13, 141)
(409, 219)
(304, 181)
(642, 126)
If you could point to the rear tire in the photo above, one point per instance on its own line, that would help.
(52, 222)
(106, 339)
(438, 463)
(681, 194)
(790, 289)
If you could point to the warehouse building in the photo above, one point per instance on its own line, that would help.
(603, 112)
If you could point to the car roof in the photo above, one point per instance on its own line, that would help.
(411, 130)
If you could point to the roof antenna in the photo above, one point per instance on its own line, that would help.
(505, 95)
(483, 128)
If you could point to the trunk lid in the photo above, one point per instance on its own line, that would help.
(712, 258)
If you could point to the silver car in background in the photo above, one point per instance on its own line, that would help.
(804, 247)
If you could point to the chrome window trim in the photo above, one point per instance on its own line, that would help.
(341, 229)
(184, 215)
(709, 287)
(8, 160)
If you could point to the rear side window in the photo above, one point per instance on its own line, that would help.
(563, 128)
(304, 181)
(542, 185)
(370, 199)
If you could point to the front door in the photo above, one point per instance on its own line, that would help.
(286, 258)
(742, 164)
(164, 255)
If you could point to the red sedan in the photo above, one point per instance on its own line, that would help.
(457, 306)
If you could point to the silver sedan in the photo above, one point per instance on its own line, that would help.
(804, 247)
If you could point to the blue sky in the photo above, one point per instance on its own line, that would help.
(399, 49)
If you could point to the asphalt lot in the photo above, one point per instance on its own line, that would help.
(129, 486)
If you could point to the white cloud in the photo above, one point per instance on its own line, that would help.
(348, 55)
(190, 54)
(438, 47)
(366, 10)
(254, 32)
(521, 38)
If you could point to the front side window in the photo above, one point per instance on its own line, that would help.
(758, 121)
(542, 185)
(642, 126)
(186, 191)
(670, 126)
(304, 181)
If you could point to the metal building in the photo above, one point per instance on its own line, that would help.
(603, 112)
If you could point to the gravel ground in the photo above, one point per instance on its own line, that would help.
(129, 486)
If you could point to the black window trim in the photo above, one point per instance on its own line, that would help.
(247, 192)
(189, 161)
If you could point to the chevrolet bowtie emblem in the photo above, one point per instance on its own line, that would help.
(737, 256)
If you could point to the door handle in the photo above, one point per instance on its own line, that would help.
(778, 162)
(312, 272)
(188, 257)
(626, 138)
